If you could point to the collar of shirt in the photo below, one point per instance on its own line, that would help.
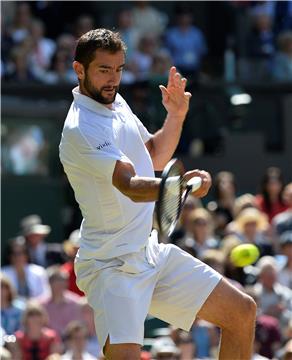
(93, 105)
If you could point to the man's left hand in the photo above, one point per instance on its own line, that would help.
(174, 98)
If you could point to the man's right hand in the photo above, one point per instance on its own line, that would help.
(206, 181)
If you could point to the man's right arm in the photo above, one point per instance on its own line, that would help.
(144, 189)
(138, 189)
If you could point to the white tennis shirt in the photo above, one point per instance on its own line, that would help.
(93, 139)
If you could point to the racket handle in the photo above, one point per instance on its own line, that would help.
(194, 183)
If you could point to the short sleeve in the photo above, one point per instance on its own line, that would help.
(145, 134)
(93, 150)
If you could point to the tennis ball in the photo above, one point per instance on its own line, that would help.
(244, 254)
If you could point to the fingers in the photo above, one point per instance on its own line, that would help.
(184, 83)
(206, 181)
(171, 76)
(164, 92)
(175, 79)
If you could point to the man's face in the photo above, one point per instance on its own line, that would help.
(102, 78)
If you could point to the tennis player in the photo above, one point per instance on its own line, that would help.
(110, 158)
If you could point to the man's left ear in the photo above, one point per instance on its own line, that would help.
(79, 70)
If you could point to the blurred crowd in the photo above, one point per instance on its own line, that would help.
(38, 47)
(44, 316)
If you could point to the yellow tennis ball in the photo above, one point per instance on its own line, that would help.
(244, 254)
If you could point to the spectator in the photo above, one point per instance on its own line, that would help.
(232, 272)
(28, 221)
(184, 342)
(186, 44)
(6, 43)
(67, 43)
(251, 226)
(261, 42)
(183, 225)
(21, 22)
(142, 59)
(161, 64)
(83, 24)
(40, 252)
(75, 336)
(61, 301)
(128, 31)
(282, 67)
(11, 312)
(71, 247)
(283, 221)
(222, 207)
(243, 202)
(267, 335)
(42, 50)
(36, 341)
(148, 20)
(260, 46)
(217, 260)
(60, 72)
(18, 69)
(30, 280)
(165, 348)
(285, 274)
(200, 236)
(275, 299)
(92, 345)
(61, 65)
(206, 338)
(270, 198)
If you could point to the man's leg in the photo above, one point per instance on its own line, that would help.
(121, 351)
(234, 312)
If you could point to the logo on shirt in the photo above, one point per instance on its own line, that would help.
(101, 146)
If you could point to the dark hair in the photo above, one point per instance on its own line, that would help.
(11, 243)
(220, 176)
(93, 40)
(271, 173)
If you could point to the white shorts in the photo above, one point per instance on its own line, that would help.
(161, 280)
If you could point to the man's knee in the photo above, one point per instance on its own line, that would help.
(249, 308)
(229, 308)
(244, 313)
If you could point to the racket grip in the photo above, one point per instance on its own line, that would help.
(194, 183)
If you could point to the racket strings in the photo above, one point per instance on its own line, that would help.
(171, 205)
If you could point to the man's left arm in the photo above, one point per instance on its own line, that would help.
(176, 100)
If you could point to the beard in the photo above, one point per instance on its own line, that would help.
(96, 94)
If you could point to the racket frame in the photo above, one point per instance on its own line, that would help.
(164, 176)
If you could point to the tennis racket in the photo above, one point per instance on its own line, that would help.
(173, 193)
